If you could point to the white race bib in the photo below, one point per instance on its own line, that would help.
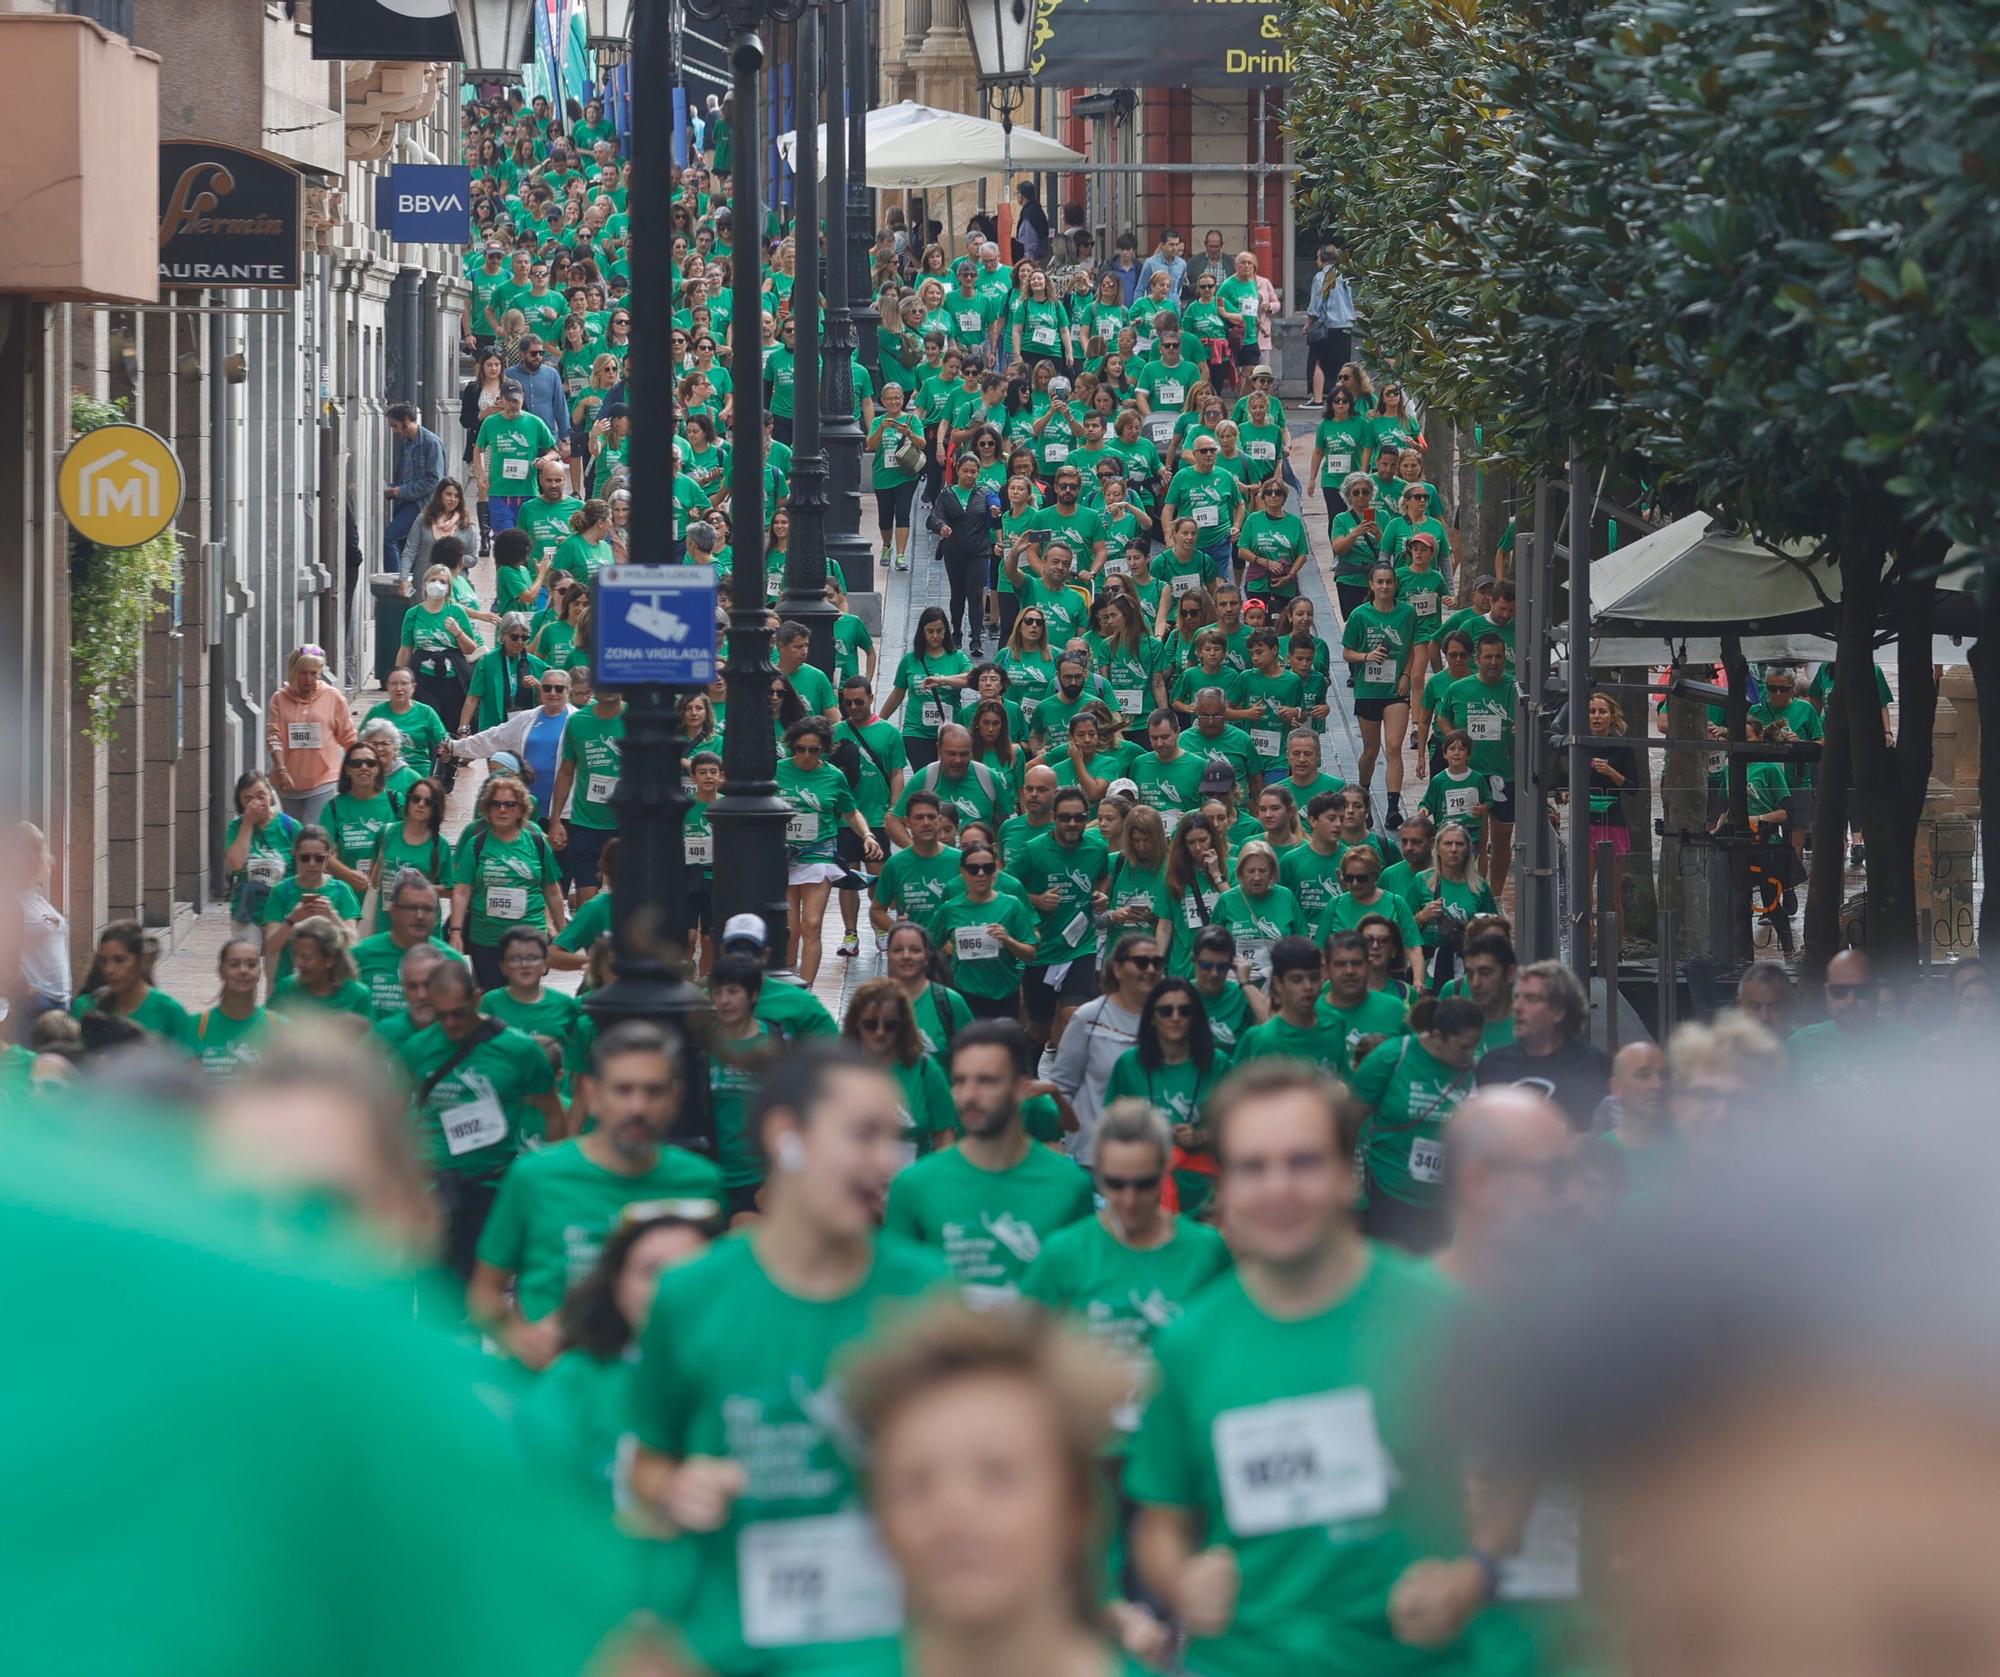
(1172, 392)
(802, 829)
(1170, 819)
(972, 322)
(1248, 307)
(506, 902)
(1422, 604)
(266, 869)
(823, 1579)
(1482, 725)
(1304, 1461)
(1073, 932)
(1339, 465)
(1263, 450)
(1459, 800)
(600, 788)
(1185, 584)
(933, 714)
(514, 471)
(1378, 670)
(1043, 335)
(1208, 515)
(1545, 1567)
(975, 943)
(478, 1123)
(1257, 951)
(701, 849)
(1130, 699)
(1267, 742)
(1427, 1161)
(1191, 913)
(1056, 451)
(302, 736)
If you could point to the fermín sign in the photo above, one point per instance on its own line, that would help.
(228, 217)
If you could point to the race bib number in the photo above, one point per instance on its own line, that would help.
(1267, 742)
(1545, 1567)
(1116, 566)
(476, 1124)
(506, 902)
(701, 849)
(1423, 604)
(303, 736)
(1339, 465)
(601, 788)
(1130, 699)
(1379, 670)
(1247, 308)
(514, 471)
(933, 714)
(1306, 1461)
(1172, 392)
(971, 323)
(1459, 800)
(823, 1579)
(1185, 584)
(802, 829)
(1208, 515)
(1170, 819)
(265, 869)
(1427, 1161)
(1256, 950)
(976, 943)
(1483, 725)
(1263, 450)
(1191, 913)
(1073, 932)
(1043, 336)
(1056, 451)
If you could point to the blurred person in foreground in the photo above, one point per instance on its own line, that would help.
(1777, 1383)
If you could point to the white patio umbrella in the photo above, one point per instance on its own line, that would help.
(914, 148)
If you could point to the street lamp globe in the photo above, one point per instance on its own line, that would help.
(493, 38)
(1002, 34)
(608, 30)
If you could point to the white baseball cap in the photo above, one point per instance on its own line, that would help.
(744, 928)
(1123, 788)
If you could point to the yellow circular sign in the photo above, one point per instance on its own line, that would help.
(120, 486)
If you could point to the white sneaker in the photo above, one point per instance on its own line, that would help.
(850, 945)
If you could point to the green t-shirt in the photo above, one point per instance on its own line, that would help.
(1279, 543)
(1346, 912)
(989, 1225)
(1275, 693)
(291, 999)
(357, 824)
(911, 887)
(546, 522)
(850, 640)
(1180, 1092)
(425, 630)
(1353, 565)
(1166, 388)
(421, 728)
(1209, 498)
(1413, 1094)
(474, 1119)
(767, 1400)
(1072, 872)
(555, 1015)
(506, 876)
(1174, 789)
(596, 745)
(924, 710)
(982, 794)
(1423, 592)
(1232, 745)
(1307, 1446)
(1387, 638)
(980, 965)
(580, 559)
(1121, 1296)
(1486, 713)
(1258, 922)
(1320, 1044)
(812, 685)
(873, 740)
(736, 1065)
(1378, 1013)
(819, 799)
(285, 897)
(1312, 878)
(795, 1010)
(556, 1208)
(515, 445)
(223, 1046)
(380, 960)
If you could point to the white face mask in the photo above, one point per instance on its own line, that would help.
(436, 590)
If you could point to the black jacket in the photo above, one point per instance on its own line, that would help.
(973, 521)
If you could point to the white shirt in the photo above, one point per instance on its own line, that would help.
(44, 947)
(1098, 1033)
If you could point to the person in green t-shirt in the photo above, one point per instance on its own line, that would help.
(1379, 643)
(526, 1002)
(1411, 1085)
(1062, 873)
(323, 979)
(586, 791)
(821, 803)
(741, 1443)
(507, 446)
(503, 875)
(1291, 1472)
(225, 1038)
(557, 1207)
(988, 1204)
(812, 684)
(917, 879)
(311, 892)
(1295, 1031)
(421, 728)
(1173, 1067)
(1363, 1016)
(984, 937)
(1271, 546)
(926, 686)
(1482, 705)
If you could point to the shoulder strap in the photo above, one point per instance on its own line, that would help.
(201, 1027)
(487, 1031)
(860, 738)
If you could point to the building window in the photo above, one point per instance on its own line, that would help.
(115, 15)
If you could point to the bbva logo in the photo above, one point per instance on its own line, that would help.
(429, 203)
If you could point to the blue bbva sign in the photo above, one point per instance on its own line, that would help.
(425, 203)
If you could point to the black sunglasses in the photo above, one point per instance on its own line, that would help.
(976, 867)
(1173, 1010)
(1142, 960)
(1117, 1184)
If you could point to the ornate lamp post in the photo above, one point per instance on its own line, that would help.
(861, 63)
(1002, 34)
(649, 926)
(608, 30)
(845, 443)
(748, 820)
(493, 38)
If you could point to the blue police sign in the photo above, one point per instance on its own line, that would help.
(654, 623)
(425, 203)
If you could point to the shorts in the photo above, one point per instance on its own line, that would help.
(1415, 1228)
(1250, 354)
(1079, 984)
(701, 907)
(580, 853)
(1605, 832)
(504, 511)
(814, 873)
(1374, 710)
(995, 1007)
(892, 506)
(1501, 809)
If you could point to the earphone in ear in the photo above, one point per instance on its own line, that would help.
(791, 1153)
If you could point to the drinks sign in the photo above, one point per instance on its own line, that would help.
(228, 217)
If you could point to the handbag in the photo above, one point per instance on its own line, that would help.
(910, 457)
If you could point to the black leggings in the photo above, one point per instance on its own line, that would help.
(921, 753)
(892, 506)
(967, 573)
(466, 1201)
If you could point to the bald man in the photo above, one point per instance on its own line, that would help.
(1510, 1150)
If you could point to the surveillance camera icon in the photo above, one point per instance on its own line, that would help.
(654, 619)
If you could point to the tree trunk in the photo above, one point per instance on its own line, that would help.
(1985, 661)
(1826, 882)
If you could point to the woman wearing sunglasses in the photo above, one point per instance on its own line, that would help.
(1101, 1030)
(882, 1025)
(984, 936)
(507, 679)
(821, 802)
(358, 815)
(416, 841)
(1173, 1068)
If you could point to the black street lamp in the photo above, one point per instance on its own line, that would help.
(861, 63)
(649, 902)
(805, 598)
(748, 820)
(845, 444)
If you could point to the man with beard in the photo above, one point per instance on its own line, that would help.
(743, 1446)
(558, 1206)
(989, 1203)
